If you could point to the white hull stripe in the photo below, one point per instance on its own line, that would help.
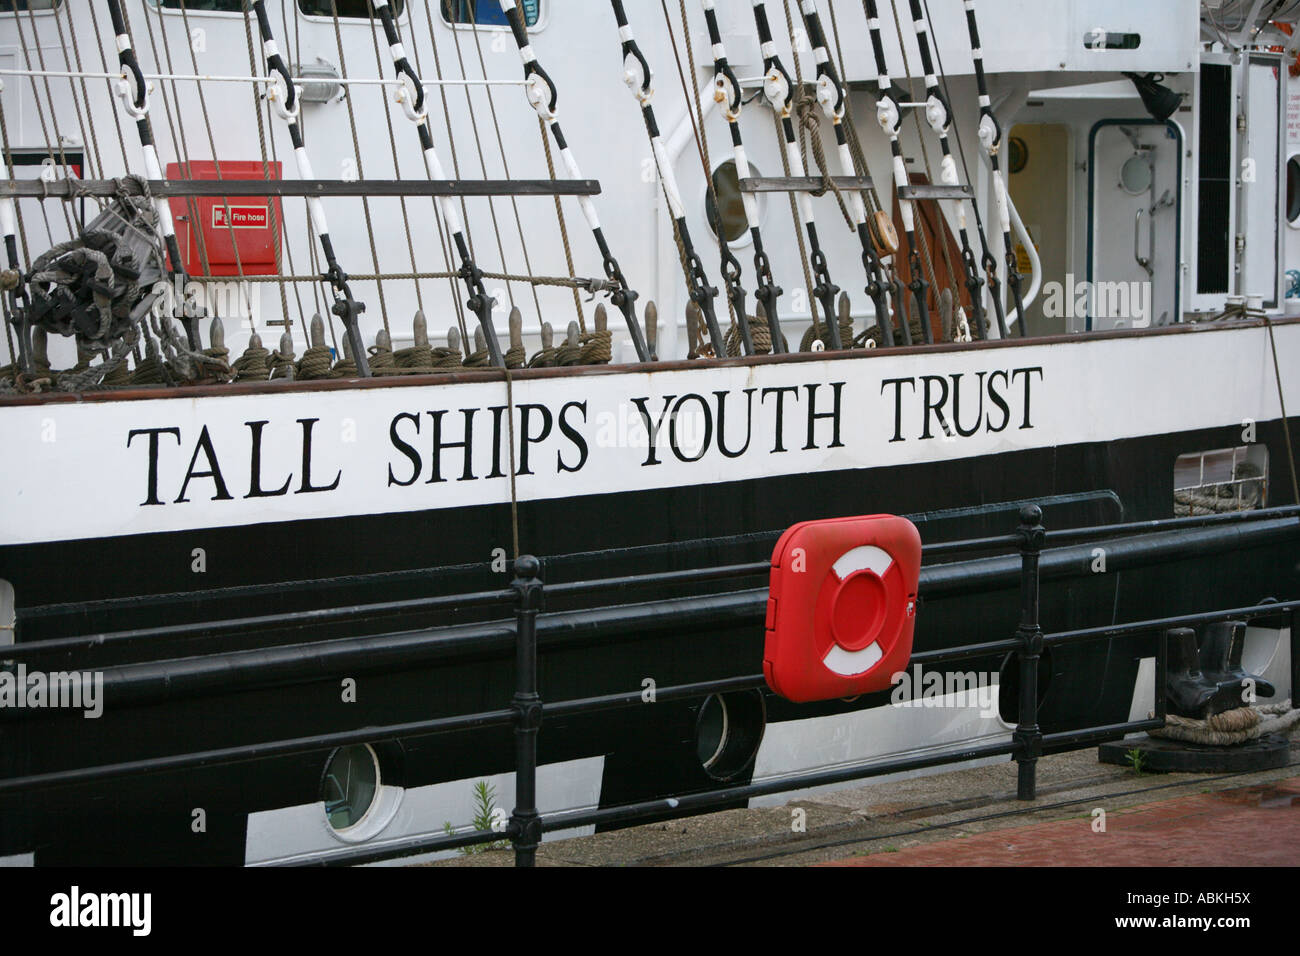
(587, 434)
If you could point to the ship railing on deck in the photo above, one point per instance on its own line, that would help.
(1035, 554)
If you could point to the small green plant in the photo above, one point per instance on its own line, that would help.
(485, 810)
(1137, 760)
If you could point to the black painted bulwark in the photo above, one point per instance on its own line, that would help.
(443, 664)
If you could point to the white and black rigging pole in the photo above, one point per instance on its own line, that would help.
(637, 75)
(889, 116)
(779, 91)
(938, 113)
(412, 99)
(284, 96)
(135, 98)
(544, 98)
(831, 97)
(15, 297)
(990, 134)
(726, 92)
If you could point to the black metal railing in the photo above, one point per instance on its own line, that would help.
(1040, 554)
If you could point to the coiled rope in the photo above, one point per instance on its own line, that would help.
(1232, 727)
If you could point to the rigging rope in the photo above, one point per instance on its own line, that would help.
(397, 165)
(779, 92)
(639, 79)
(15, 294)
(727, 93)
(136, 103)
(505, 165)
(729, 264)
(927, 259)
(990, 136)
(284, 95)
(411, 97)
(356, 150)
(443, 238)
(832, 99)
(478, 146)
(938, 112)
(982, 323)
(889, 117)
(544, 98)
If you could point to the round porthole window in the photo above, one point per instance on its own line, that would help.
(1019, 157)
(1135, 175)
(711, 732)
(350, 786)
(733, 223)
(728, 731)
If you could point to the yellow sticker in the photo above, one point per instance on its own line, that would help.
(1023, 265)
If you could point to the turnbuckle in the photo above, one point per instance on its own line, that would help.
(919, 288)
(975, 287)
(825, 292)
(767, 294)
(348, 309)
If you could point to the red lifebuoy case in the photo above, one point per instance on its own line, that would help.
(841, 606)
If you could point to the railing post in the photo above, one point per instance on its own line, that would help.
(1028, 738)
(525, 823)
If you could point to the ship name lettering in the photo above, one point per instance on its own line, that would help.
(961, 404)
(205, 470)
(690, 426)
(451, 438)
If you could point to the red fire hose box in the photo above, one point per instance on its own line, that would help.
(224, 224)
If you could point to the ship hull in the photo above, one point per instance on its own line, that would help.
(1073, 427)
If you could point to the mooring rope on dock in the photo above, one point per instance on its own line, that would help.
(1232, 727)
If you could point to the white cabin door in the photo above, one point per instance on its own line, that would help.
(1135, 211)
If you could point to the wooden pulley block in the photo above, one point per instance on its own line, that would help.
(883, 234)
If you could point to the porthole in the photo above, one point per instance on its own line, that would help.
(711, 732)
(350, 786)
(1135, 175)
(728, 731)
(1019, 155)
(734, 222)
